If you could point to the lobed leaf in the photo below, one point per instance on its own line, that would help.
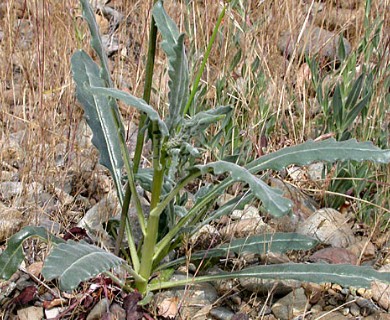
(73, 262)
(271, 198)
(328, 150)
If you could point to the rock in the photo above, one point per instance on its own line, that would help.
(293, 305)
(30, 313)
(99, 213)
(99, 309)
(363, 250)
(221, 313)
(315, 40)
(244, 228)
(249, 212)
(185, 301)
(117, 312)
(265, 286)
(328, 226)
(329, 315)
(381, 291)
(378, 316)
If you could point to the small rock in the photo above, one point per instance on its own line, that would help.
(328, 226)
(354, 309)
(99, 309)
(30, 313)
(244, 228)
(250, 212)
(265, 286)
(292, 305)
(329, 315)
(221, 313)
(186, 301)
(363, 249)
(381, 291)
(117, 311)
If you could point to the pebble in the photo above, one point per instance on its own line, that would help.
(291, 305)
(221, 313)
(98, 310)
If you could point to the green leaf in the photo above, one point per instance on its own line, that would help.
(272, 198)
(276, 242)
(73, 262)
(130, 100)
(102, 115)
(354, 113)
(328, 150)
(96, 40)
(338, 106)
(345, 275)
(173, 46)
(12, 257)
(200, 121)
(355, 92)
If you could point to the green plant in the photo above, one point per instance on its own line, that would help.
(354, 102)
(175, 165)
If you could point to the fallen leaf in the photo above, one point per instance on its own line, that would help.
(169, 307)
(130, 304)
(27, 295)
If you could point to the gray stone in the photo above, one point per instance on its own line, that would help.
(118, 312)
(264, 286)
(221, 313)
(190, 299)
(292, 305)
(328, 226)
(98, 310)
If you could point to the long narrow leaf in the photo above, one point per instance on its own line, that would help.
(101, 115)
(277, 243)
(12, 257)
(355, 93)
(173, 46)
(96, 40)
(345, 275)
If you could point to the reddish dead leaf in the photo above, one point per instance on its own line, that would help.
(27, 295)
(334, 256)
(130, 304)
